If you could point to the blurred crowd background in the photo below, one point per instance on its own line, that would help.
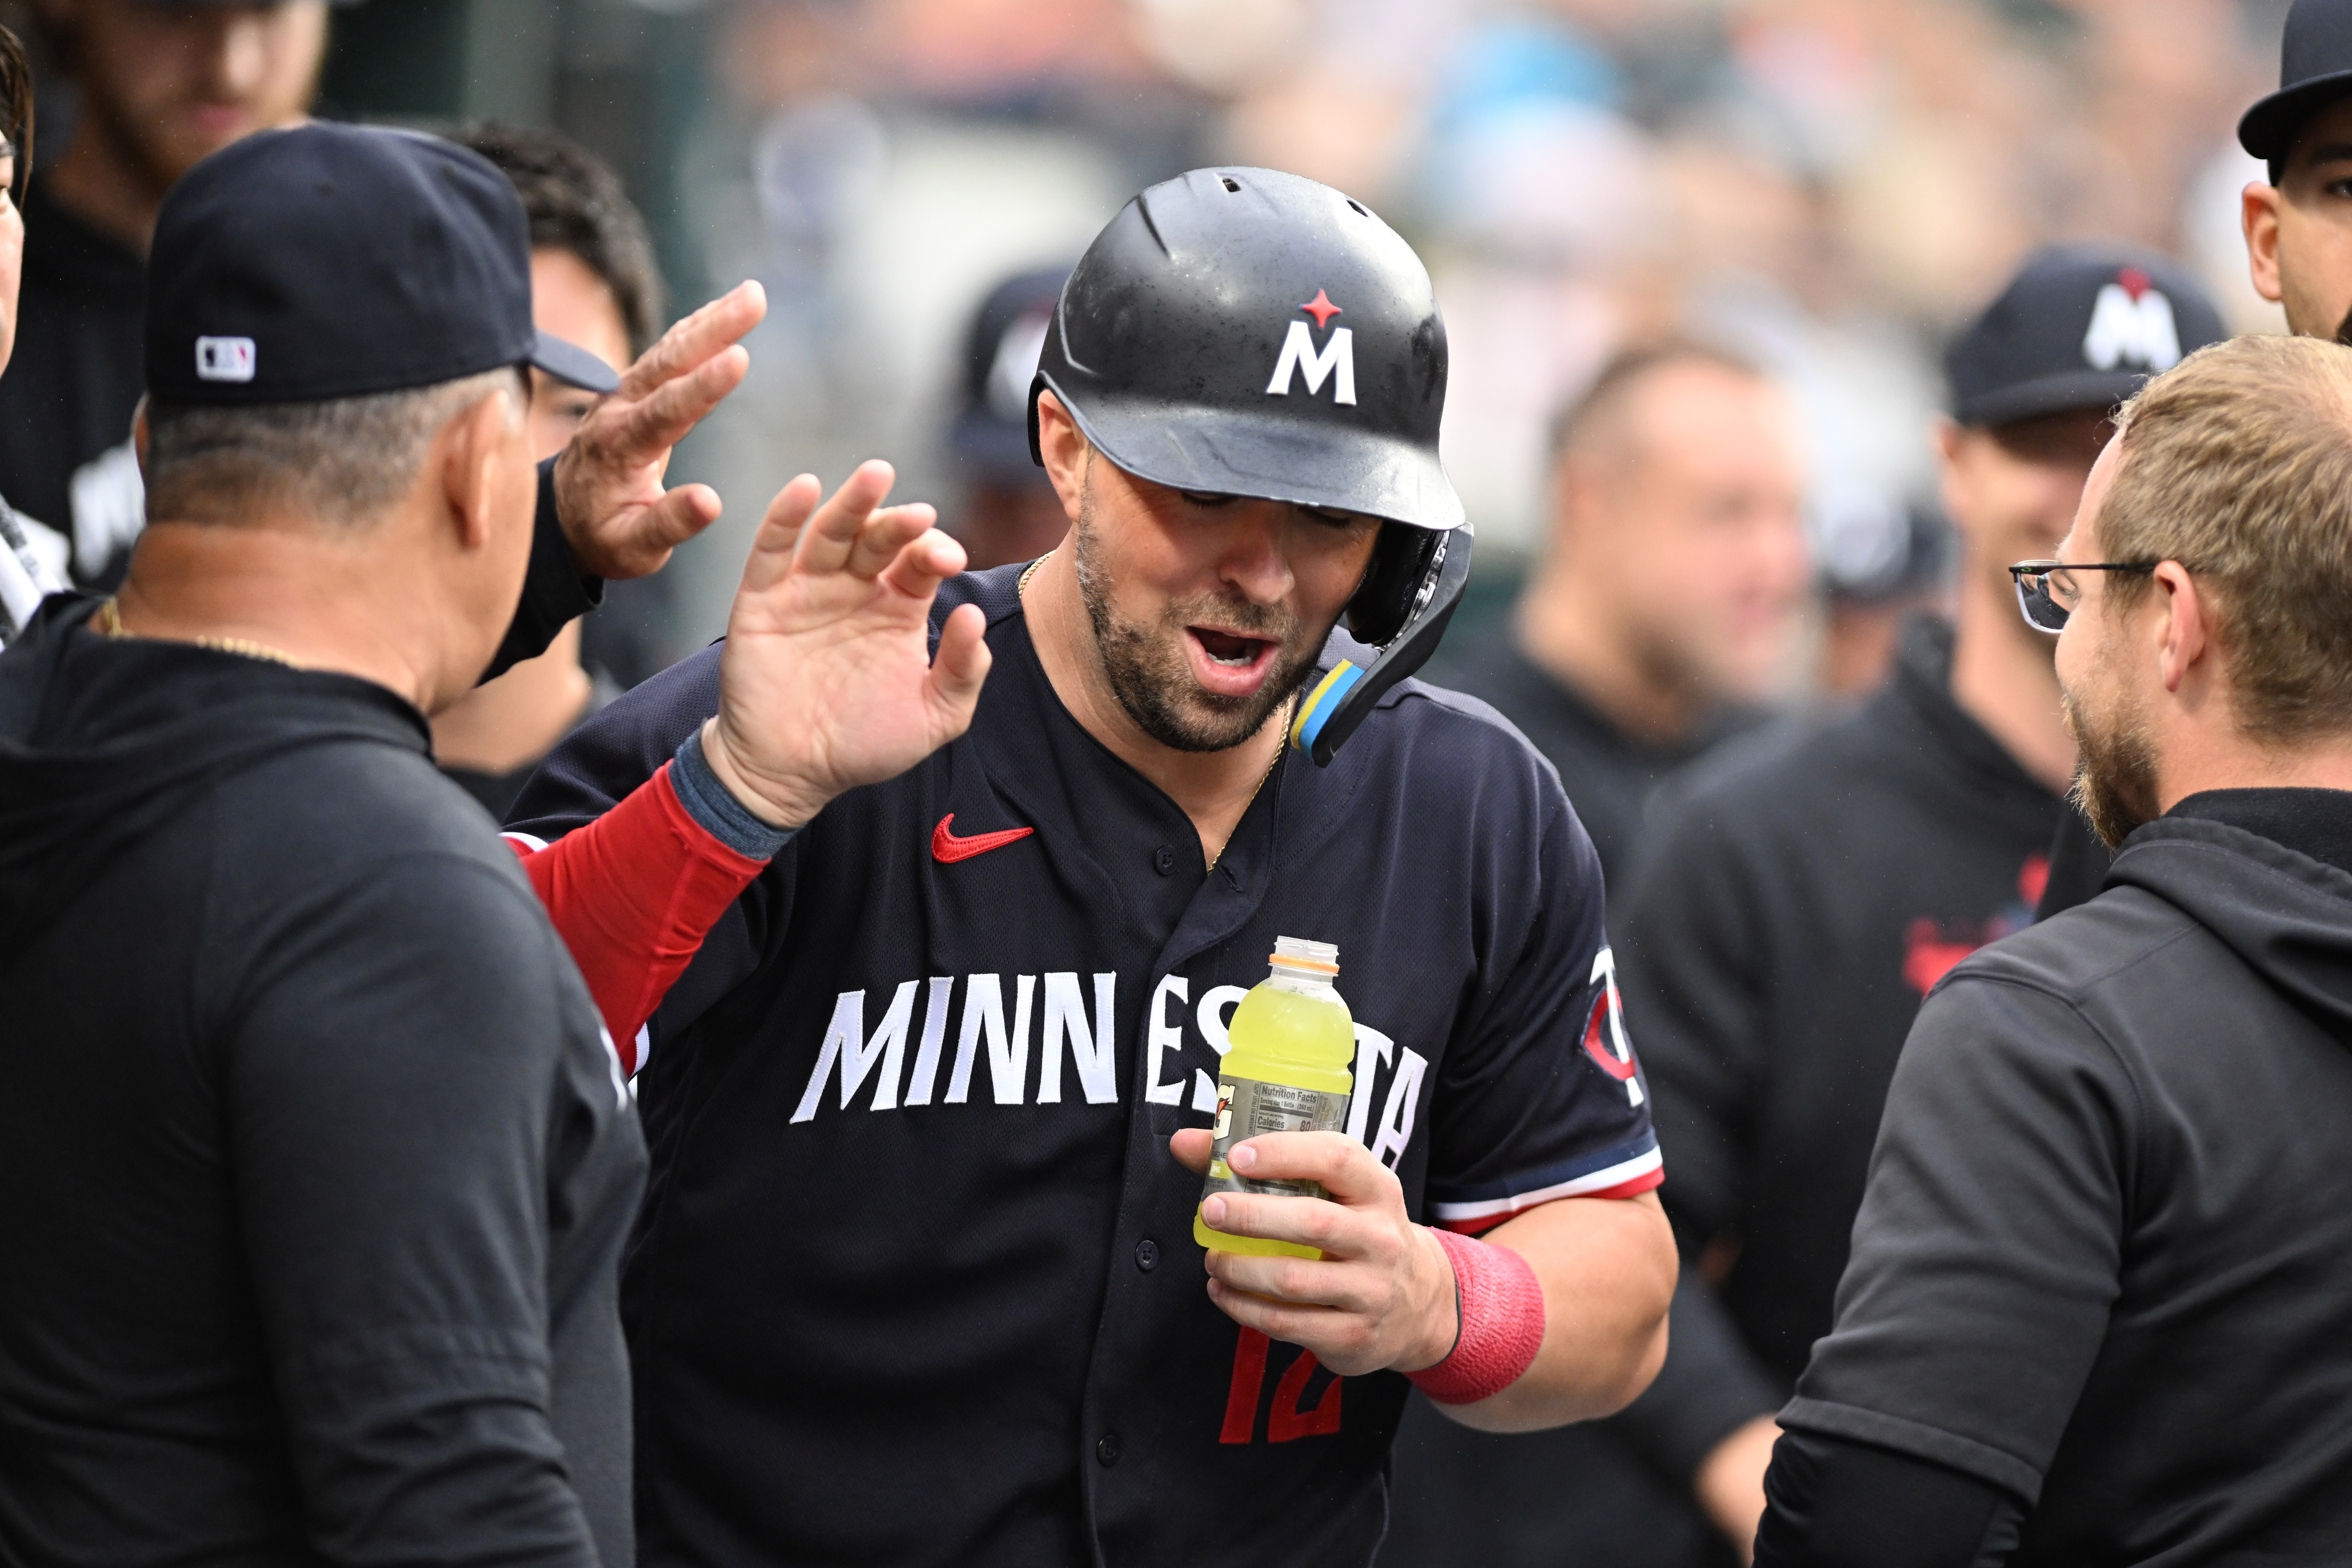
(1826, 185)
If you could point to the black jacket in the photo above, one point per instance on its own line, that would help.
(318, 1162)
(1808, 889)
(2105, 1260)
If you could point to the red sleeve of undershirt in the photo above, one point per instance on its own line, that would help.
(633, 894)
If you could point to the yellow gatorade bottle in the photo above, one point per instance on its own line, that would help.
(1285, 1072)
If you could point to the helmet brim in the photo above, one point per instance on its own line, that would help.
(1220, 452)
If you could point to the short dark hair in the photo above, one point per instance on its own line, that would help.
(1626, 371)
(576, 204)
(342, 460)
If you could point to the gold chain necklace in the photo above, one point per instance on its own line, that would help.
(109, 623)
(1290, 703)
(1020, 591)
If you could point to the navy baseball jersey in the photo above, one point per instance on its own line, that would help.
(915, 1281)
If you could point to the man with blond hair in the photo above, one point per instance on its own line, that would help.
(2100, 1302)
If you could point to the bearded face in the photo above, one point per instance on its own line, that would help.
(1150, 666)
(2114, 776)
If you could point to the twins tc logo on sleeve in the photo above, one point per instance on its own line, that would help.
(1336, 363)
(1604, 1029)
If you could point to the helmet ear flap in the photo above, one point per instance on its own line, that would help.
(1036, 443)
(1384, 599)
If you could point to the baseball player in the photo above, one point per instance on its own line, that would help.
(915, 1280)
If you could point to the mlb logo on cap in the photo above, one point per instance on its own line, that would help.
(225, 359)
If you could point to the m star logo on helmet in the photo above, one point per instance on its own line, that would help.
(2132, 324)
(1336, 363)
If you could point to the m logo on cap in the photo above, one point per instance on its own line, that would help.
(225, 359)
(1298, 352)
(2131, 322)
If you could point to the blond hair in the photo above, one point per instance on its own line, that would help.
(2237, 463)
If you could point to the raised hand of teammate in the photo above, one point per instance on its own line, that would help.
(619, 520)
(827, 680)
(1383, 1295)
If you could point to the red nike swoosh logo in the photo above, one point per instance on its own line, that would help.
(947, 848)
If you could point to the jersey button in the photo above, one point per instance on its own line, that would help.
(1163, 860)
(1146, 1255)
(1107, 1451)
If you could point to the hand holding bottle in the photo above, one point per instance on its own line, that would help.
(1382, 1294)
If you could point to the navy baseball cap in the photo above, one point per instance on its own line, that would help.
(2080, 326)
(329, 261)
(2315, 70)
(991, 436)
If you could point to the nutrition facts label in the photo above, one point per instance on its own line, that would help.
(1246, 1108)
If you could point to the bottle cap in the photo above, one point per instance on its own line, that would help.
(1297, 953)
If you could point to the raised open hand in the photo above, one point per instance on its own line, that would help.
(617, 518)
(827, 680)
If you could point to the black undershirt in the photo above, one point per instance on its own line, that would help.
(1831, 1502)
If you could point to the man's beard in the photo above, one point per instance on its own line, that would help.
(1668, 663)
(2114, 777)
(1151, 675)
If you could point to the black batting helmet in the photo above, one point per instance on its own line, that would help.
(1249, 332)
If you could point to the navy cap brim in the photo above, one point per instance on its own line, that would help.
(2081, 390)
(571, 363)
(2269, 128)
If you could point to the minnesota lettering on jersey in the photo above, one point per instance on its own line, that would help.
(1071, 1020)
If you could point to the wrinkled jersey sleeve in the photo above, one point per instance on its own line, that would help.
(1542, 1097)
(1988, 1249)
(634, 892)
(389, 1082)
(602, 763)
(619, 747)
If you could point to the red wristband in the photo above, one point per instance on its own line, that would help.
(1502, 1322)
(633, 894)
